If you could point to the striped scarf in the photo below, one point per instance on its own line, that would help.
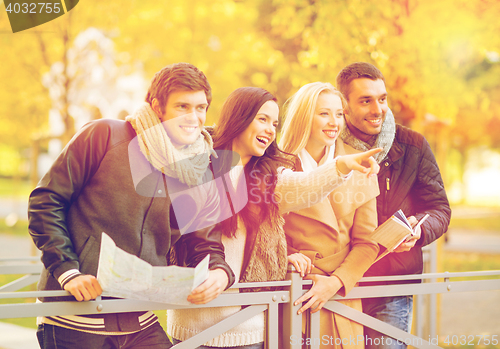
(383, 140)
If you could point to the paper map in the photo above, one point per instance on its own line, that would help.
(124, 275)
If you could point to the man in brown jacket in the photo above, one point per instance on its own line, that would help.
(123, 178)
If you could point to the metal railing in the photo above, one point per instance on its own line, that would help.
(278, 305)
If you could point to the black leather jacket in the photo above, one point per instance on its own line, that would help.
(101, 182)
(409, 179)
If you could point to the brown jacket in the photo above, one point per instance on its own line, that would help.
(93, 187)
(334, 234)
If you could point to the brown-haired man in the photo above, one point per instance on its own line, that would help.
(117, 177)
(409, 179)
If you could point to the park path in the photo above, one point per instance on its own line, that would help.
(13, 205)
(470, 313)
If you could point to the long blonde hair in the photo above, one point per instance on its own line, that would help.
(299, 113)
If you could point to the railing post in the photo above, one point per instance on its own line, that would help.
(292, 322)
(314, 329)
(425, 306)
(433, 298)
(272, 341)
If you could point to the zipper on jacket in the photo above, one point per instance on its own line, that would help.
(387, 187)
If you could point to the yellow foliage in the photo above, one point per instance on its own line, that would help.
(438, 57)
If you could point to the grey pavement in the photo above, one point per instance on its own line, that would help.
(461, 240)
(17, 337)
(12, 246)
(470, 313)
(13, 336)
(14, 205)
(475, 212)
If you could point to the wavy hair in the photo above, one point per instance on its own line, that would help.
(357, 70)
(177, 77)
(238, 112)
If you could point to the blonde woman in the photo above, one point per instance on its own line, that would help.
(333, 234)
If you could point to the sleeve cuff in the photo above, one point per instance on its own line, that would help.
(342, 290)
(230, 275)
(347, 282)
(341, 175)
(68, 276)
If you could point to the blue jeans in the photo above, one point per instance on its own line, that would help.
(249, 346)
(395, 311)
(56, 337)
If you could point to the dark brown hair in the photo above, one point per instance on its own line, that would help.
(177, 77)
(354, 71)
(238, 112)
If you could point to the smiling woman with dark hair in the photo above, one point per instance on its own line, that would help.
(262, 186)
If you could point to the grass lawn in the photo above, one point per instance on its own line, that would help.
(26, 322)
(19, 229)
(476, 219)
(461, 261)
(15, 188)
(491, 224)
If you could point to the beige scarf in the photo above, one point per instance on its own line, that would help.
(309, 164)
(188, 164)
(383, 140)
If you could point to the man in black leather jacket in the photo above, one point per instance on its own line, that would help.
(409, 179)
(129, 179)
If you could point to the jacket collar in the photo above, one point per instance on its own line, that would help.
(345, 198)
(395, 153)
(349, 191)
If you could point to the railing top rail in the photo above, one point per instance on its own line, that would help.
(285, 283)
(263, 284)
(20, 269)
(32, 268)
(431, 276)
(226, 299)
